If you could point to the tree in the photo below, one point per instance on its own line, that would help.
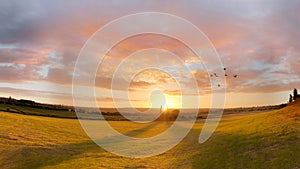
(295, 94)
(291, 99)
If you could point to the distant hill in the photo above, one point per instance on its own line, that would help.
(29, 107)
(31, 103)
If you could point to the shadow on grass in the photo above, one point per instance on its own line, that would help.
(137, 132)
(248, 151)
(37, 156)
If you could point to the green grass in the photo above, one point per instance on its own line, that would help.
(264, 140)
(37, 111)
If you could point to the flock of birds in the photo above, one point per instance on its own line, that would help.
(226, 75)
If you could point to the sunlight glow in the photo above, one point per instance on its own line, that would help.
(164, 107)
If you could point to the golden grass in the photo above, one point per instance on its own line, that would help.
(264, 140)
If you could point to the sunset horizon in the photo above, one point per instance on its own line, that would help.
(149, 84)
(38, 62)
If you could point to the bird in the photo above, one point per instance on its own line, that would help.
(215, 74)
(224, 68)
(219, 85)
(226, 75)
(235, 76)
(211, 75)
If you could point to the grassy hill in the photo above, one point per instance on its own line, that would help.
(28, 110)
(264, 140)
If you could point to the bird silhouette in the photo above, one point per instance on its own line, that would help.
(226, 75)
(219, 85)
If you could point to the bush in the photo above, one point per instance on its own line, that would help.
(295, 94)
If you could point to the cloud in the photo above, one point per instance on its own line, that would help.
(18, 73)
(258, 40)
(23, 56)
(37, 95)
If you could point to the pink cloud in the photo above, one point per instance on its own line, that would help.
(256, 40)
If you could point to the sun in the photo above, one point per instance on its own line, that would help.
(164, 107)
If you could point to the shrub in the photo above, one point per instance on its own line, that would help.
(295, 94)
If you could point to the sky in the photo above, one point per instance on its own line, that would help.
(258, 40)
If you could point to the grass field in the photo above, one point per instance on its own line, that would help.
(37, 111)
(263, 140)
